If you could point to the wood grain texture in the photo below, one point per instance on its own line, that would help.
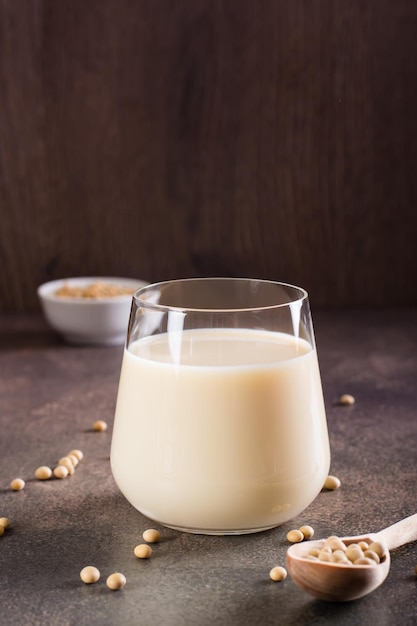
(160, 139)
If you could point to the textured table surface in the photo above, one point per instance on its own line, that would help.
(50, 395)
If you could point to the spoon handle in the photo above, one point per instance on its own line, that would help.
(400, 533)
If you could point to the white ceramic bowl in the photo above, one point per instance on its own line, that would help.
(95, 321)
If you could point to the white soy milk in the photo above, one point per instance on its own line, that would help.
(220, 430)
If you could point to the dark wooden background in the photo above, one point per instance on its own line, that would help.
(171, 138)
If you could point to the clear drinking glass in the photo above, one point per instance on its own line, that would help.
(220, 426)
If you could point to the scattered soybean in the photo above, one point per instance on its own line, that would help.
(65, 460)
(61, 471)
(116, 581)
(278, 573)
(308, 531)
(295, 536)
(331, 483)
(346, 399)
(73, 459)
(151, 535)
(89, 574)
(142, 551)
(100, 426)
(43, 472)
(17, 484)
(76, 453)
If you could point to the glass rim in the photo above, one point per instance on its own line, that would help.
(140, 301)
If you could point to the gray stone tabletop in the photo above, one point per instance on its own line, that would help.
(51, 394)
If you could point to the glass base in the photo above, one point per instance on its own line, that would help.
(203, 531)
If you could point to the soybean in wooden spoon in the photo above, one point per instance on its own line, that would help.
(339, 582)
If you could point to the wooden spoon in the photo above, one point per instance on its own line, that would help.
(339, 582)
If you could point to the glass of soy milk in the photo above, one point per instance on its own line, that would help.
(220, 426)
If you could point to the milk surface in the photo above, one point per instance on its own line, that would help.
(220, 430)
